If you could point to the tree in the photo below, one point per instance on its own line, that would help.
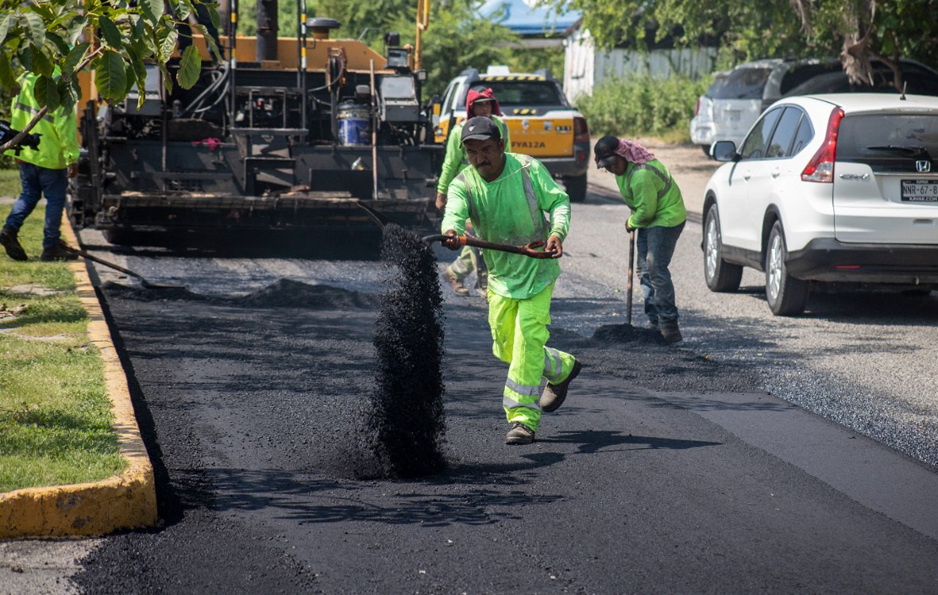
(49, 36)
(869, 29)
(856, 29)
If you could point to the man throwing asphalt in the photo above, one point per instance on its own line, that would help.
(43, 171)
(658, 211)
(506, 195)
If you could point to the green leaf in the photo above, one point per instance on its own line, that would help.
(75, 28)
(74, 57)
(167, 43)
(60, 44)
(181, 9)
(109, 76)
(7, 78)
(139, 28)
(46, 92)
(69, 92)
(189, 68)
(212, 46)
(152, 10)
(213, 14)
(5, 27)
(167, 80)
(25, 57)
(111, 33)
(41, 63)
(35, 29)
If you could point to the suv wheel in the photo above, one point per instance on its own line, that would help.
(721, 276)
(576, 188)
(786, 295)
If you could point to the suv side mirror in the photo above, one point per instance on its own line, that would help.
(723, 151)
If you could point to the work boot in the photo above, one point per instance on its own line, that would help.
(519, 434)
(554, 394)
(456, 284)
(671, 332)
(11, 244)
(57, 252)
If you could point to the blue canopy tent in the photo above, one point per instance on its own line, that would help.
(529, 20)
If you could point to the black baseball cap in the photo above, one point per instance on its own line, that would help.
(480, 128)
(605, 151)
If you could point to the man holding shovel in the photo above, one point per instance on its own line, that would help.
(506, 195)
(658, 214)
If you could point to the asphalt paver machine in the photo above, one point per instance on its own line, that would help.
(293, 140)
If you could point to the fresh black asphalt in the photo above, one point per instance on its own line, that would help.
(663, 472)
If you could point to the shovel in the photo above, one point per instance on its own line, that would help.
(527, 250)
(143, 282)
(628, 295)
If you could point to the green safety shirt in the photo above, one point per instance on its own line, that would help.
(510, 210)
(58, 145)
(650, 191)
(455, 160)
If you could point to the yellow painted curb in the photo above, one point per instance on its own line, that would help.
(126, 501)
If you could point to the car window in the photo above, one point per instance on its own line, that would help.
(784, 133)
(743, 83)
(522, 93)
(918, 81)
(888, 137)
(802, 137)
(714, 89)
(447, 95)
(755, 144)
(799, 73)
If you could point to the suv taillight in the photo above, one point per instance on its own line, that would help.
(581, 132)
(821, 166)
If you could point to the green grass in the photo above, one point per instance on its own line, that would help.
(55, 417)
(10, 182)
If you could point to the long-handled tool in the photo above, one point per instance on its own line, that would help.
(628, 298)
(527, 250)
(116, 267)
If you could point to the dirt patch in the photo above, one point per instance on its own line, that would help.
(31, 289)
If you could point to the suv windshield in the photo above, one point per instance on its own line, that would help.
(521, 93)
(888, 138)
(742, 83)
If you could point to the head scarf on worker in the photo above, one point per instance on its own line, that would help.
(609, 146)
(487, 95)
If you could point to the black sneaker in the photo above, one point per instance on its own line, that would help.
(57, 252)
(519, 434)
(671, 333)
(554, 394)
(11, 244)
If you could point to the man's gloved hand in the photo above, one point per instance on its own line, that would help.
(554, 247)
(453, 243)
(628, 226)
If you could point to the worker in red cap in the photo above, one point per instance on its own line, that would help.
(478, 103)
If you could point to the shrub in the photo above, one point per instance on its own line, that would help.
(643, 105)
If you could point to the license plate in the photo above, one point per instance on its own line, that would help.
(919, 190)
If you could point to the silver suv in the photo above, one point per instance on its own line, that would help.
(733, 102)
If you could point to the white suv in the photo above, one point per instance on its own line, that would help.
(834, 189)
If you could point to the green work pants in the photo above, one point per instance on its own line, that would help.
(519, 335)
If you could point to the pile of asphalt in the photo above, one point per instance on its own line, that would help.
(405, 424)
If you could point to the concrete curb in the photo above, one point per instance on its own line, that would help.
(126, 501)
